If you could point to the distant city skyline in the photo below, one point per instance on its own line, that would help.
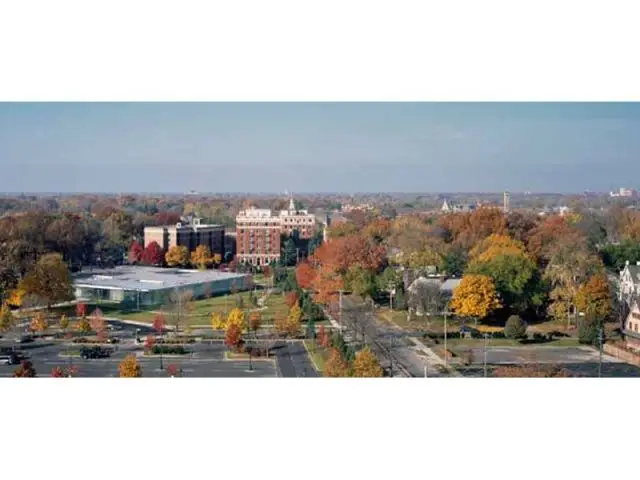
(319, 147)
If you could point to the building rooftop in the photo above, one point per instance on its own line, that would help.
(148, 278)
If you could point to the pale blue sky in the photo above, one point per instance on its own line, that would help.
(347, 147)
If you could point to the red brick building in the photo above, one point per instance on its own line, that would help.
(258, 232)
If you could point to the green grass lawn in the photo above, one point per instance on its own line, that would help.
(464, 343)
(318, 354)
(201, 310)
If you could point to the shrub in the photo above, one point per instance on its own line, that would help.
(169, 350)
(588, 329)
(515, 327)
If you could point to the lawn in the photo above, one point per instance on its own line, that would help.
(463, 343)
(201, 310)
(318, 355)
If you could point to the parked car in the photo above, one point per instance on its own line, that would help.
(9, 359)
(95, 352)
(25, 339)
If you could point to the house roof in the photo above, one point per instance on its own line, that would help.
(448, 285)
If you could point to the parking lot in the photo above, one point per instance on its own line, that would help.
(205, 360)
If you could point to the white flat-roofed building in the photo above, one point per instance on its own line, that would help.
(138, 286)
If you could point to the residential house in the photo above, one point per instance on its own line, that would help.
(630, 283)
(631, 328)
(430, 293)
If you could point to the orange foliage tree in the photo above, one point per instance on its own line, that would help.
(233, 336)
(129, 367)
(305, 274)
(336, 366)
(366, 364)
(291, 299)
(594, 297)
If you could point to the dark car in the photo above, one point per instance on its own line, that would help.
(25, 339)
(95, 352)
(9, 359)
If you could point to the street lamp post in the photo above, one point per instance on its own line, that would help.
(486, 336)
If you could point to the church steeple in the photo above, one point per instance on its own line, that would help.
(292, 205)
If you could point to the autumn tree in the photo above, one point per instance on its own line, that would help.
(39, 323)
(135, 252)
(326, 286)
(336, 366)
(291, 299)
(475, 297)
(177, 256)
(594, 297)
(236, 317)
(510, 267)
(129, 367)
(201, 257)
(305, 275)
(64, 322)
(81, 310)
(153, 254)
(366, 364)
(255, 320)
(218, 321)
(98, 324)
(57, 372)
(25, 370)
(233, 336)
(83, 325)
(49, 279)
(293, 320)
(7, 320)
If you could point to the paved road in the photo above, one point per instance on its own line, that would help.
(293, 360)
(385, 338)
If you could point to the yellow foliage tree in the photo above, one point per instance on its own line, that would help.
(336, 366)
(217, 321)
(475, 297)
(494, 245)
(129, 367)
(64, 322)
(39, 323)
(217, 259)
(236, 317)
(366, 364)
(201, 257)
(7, 319)
(178, 255)
(281, 323)
(16, 297)
(293, 320)
(83, 325)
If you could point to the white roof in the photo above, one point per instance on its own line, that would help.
(131, 277)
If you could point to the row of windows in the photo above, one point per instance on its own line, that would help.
(632, 327)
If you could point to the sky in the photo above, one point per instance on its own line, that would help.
(319, 147)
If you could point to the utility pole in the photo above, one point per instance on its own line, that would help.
(446, 353)
(601, 339)
(486, 336)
